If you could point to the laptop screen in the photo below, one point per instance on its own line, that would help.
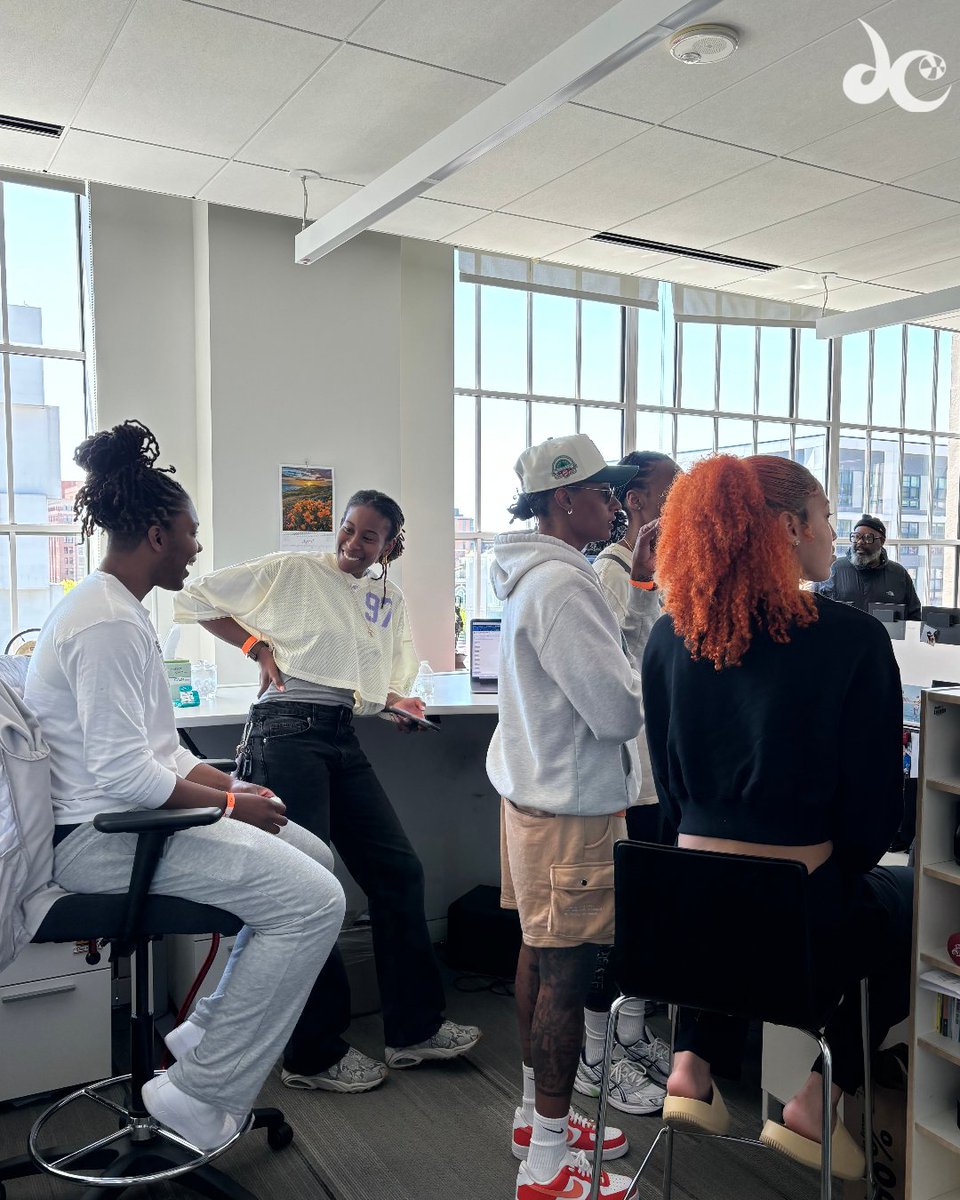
(484, 648)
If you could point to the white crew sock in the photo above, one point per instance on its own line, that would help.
(183, 1038)
(630, 1022)
(595, 1033)
(198, 1122)
(529, 1105)
(548, 1147)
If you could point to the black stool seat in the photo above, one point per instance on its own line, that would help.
(75, 917)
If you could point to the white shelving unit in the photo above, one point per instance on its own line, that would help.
(933, 1136)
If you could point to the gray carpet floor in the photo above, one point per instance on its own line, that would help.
(440, 1131)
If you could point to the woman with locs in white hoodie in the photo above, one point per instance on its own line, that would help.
(563, 757)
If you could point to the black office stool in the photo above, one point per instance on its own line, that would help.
(139, 1150)
(730, 934)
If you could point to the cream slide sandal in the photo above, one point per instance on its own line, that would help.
(707, 1116)
(847, 1160)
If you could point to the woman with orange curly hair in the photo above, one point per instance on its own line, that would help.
(773, 721)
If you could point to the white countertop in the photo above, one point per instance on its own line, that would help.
(451, 697)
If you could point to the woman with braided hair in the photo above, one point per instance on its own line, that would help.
(330, 635)
(97, 685)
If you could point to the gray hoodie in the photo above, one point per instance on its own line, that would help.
(570, 700)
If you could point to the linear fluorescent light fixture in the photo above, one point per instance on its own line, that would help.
(895, 312)
(620, 34)
(26, 125)
(635, 243)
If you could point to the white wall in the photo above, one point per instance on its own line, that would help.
(240, 360)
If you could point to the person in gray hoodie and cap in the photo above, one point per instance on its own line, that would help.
(564, 759)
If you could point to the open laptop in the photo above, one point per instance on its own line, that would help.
(484, 654)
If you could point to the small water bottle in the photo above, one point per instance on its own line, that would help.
(203, 676)
(423, 686)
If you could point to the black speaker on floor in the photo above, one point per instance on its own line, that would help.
(481, 936)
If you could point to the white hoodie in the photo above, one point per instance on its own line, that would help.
(570, 701)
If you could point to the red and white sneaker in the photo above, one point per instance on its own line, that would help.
(573, 1182)
(581, 1135)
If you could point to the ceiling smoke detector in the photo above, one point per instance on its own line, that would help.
(701, 45)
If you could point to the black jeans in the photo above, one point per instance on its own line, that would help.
(309, 755)
(862, 925)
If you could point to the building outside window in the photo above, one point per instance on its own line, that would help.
(690, 388)
(43, 364)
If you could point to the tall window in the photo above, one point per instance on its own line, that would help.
(527, 367)
(43, 339)
(880, 410)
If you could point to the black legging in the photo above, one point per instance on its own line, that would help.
(862, 925)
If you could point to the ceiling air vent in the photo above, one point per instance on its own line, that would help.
(729, 260)
(25, 125)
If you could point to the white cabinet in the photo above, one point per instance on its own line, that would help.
(933, 1136)
(54, 1019)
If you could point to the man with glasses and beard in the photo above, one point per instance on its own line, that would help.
(867, 576)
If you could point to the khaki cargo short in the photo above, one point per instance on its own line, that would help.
(557, 871)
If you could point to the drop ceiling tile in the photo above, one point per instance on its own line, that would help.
(929, 278)
(655, 87)
(799, 99)
(197, 78)
(427, 219)
(799, 287)
(49, 53)
(696, 274)
(888, 146)
(26, 151)
(902, 251)
(864, 295)
(334, 18)
(942, 180)
(264, 189)
(601, 256)
(362, 113)
(772, 192)
(656, 168)
(506, 234)
(557, 143)
(498, 39)
(133, 164)
(881, 212)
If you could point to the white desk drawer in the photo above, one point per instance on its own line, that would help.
(55, 1032)
(44, 960)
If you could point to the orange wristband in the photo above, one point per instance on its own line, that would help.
(229, 806)
(249, 644)
(645, 585)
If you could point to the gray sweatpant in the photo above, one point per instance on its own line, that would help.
(292, 907)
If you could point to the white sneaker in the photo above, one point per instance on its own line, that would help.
(581, 1135)
(450, 1041)
(183, 1038)
(197, 1122)
(651, 1053)
(631, 1089)
(355, 1072)
(573, 1182)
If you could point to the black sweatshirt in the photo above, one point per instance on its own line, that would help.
(798, 745)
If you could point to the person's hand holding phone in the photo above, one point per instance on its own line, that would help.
(407, 704)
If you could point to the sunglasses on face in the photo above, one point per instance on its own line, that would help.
(606, 493)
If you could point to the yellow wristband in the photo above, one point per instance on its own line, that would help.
(229, 806)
